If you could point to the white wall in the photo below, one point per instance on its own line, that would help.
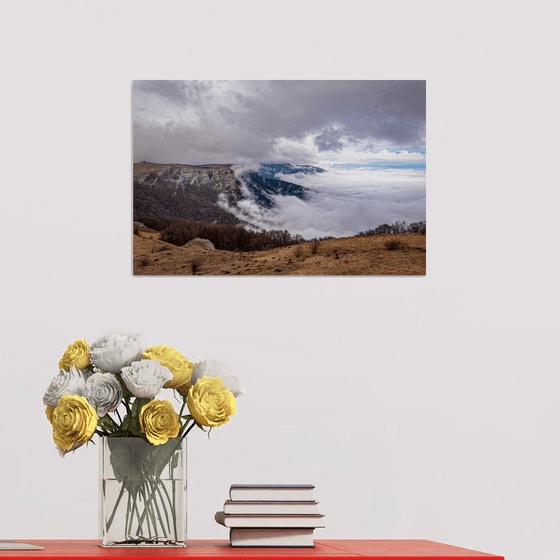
(419, 407)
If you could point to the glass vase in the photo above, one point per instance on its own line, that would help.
(142, 492)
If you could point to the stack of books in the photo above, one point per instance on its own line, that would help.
(279, 515)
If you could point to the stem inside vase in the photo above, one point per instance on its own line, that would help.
(142, 492)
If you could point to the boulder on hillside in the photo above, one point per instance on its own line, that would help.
(198, 242)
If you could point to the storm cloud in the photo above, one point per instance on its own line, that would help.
(201, 122)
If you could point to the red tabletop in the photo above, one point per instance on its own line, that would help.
(324, 549)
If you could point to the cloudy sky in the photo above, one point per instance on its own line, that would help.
(278, 121)
(368, 135)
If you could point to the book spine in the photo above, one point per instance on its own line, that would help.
(278, 521)
(271, 496)
(285, 538)
(270, 508)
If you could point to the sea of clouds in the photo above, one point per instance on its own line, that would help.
(343, 202)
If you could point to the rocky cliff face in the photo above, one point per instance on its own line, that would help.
(216, 177)
(209, 193)
(186, 191)
(270, 170)
(263, 189)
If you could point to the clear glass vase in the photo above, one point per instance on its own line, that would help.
(142, 492)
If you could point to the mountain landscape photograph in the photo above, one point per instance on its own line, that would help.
(279, 177)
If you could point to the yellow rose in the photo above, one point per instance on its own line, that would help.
(159, 421)
(210, 403)
(49, 412)
(174, 361)
(76, 354)
(73, 420)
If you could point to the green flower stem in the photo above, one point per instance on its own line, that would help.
(140, 530)
(147, 511)
(110, 522)
(133, 497)
(181, 431)
(150, 515)
(167, 531)
(114, 427)
(157, 488)
(181, 435)
(127, 524)
(172, 505)
(151, 507)
(183, 406)
(127, 405)
(154, 506)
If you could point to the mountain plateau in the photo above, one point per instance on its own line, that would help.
(211, 193)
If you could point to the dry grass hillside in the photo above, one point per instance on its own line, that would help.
(346, 256)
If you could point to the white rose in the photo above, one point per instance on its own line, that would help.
(113, 351)
(145, 378)
(215, 368)
(67, 382)
(104, 392)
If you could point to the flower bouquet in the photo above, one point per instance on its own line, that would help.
(108, 388)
